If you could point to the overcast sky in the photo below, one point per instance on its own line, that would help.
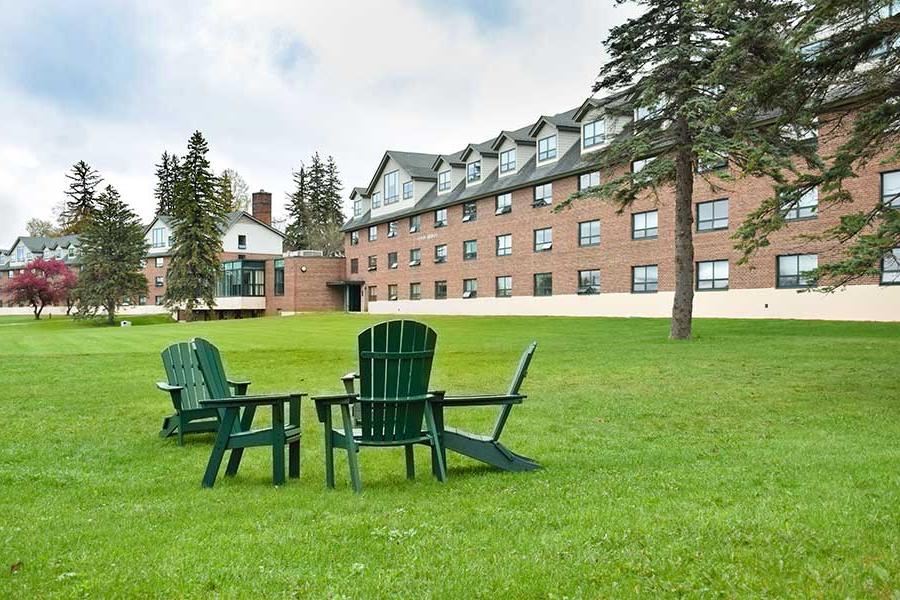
(268, 83)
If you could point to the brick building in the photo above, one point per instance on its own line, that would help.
(475, 232)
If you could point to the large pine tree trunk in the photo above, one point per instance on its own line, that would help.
(683, 306)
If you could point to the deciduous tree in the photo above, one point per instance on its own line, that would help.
(42, 283)
(235, 191)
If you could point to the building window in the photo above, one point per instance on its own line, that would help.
(354, 238)
(142, 300)
(793, 270)
(543, 284)
(589, 233)
(392, 260)
(504, 204)
(470, 250)
(391, 187)
(638, 165)
(644, 279)
(357, 208)
(593, 133)
(589, 282)
(392, 291)
(470, 288)
(547, 148)
(440, 290)
(415, 257)
(415, 291)
(440, 253)
(890, 268)
(392, 229)
(543, 239)
(159, 236)
(279, 277)
(712, 275)
(415, 223)
(711, 162)
(644, 225)
(504, 244)
(470, 211)
(354, 265)
(159, 281)
(20, 253)
(373, 233)
(543, 194)
(160, 262)
(407, 190)
(588, 180)
(504, 286)
(440, 217)
(890, 189)
(373, 263)
(242, 242)
(373, 293)
(712, 215)
(508, 160)
(443, 181)
(473, 171)
(376, 200)
(804, 208)
(159, 300)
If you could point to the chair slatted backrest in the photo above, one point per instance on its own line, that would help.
(395, 361)
(514, 386)
(182, 368)
(212, 368)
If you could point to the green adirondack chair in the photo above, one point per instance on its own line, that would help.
(395, 360)
(187, 387)
(488, 449)
(235, 433)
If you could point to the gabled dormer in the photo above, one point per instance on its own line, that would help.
(158, 236)
(359, 201)
(400, 181)
(554, 136)
(514, 149)
(449, 170)
(480, 161)
(601, 121)
(20, 253)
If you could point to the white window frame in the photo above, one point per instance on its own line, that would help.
(444, 183)
(545, 191)
(719, 273)
(505, 249)
(503, 204)
(591, 179)
(475, 165)
(545, 234)
(408, 185)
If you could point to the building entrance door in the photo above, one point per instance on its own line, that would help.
(354, 298)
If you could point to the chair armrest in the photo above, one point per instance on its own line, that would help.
(166, 387)
(240, 387)
(348, 381)
(241, 401)
(481, 400)
(324, 403)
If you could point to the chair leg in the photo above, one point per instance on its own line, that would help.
(278, 443)
(219, 447)
(352, 449)
(437, 450)
(294, 459)
(234, 461)
(181, 423)
(170, 424)
(329, 451)
(410, 462)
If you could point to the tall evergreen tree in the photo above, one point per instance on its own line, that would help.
(197, 218)
(166, 179)
(334, 205)
(83, 181)
(677, 61)
(112, 250)
(843, 77)
(299, 226)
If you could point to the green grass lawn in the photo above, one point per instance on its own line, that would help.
(762, 459)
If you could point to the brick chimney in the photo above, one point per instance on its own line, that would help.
(262, 206)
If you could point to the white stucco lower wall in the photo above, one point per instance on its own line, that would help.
(9, 311)
(853, 303)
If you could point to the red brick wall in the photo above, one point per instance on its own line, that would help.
(306, 290)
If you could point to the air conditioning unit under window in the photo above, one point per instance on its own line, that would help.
(503, 210)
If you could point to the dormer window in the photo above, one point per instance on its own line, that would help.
(470, 211)
(508, 160)
(593, 133)
(20, 254)
(391, 187)
(473, 171)
(547, 148)
(407, 190)
(46, 253)
(376, 200)
(72, 251)
(357, 208)
(59, 253)
(158, 237)
(443, 181)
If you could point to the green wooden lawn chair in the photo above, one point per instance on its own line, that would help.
(187, 387)
(488, 449)
(394, 370)
(235, 433)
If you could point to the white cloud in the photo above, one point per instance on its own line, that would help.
(270, 83)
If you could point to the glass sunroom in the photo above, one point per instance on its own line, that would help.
(241, 278)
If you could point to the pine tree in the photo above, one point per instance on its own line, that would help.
(83, 183)
(299, 226)
(166, 179)
(112, 250)
(681, 76)
(197, 218)
(334, 206)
